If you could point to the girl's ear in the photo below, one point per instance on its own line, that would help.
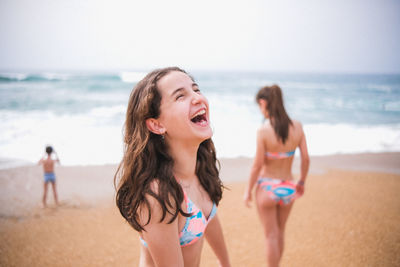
(155, 126)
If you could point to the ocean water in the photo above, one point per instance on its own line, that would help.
(82, 115)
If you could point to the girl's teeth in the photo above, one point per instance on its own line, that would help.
(201, 112)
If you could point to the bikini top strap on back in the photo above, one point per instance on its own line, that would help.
(280, 155)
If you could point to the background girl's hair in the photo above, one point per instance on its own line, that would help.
(279, 119)
(49, 149)
(146, 167)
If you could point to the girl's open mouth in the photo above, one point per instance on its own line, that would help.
(200, 118)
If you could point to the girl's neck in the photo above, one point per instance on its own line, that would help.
(270, 120)
(185, 158)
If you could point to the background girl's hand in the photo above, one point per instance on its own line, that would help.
(247, 199)
(300, 188)
(224, 265)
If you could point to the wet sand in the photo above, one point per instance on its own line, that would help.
(349, 216)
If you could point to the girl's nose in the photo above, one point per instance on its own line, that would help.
(196, 98)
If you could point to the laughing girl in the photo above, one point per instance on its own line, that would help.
(168, 181)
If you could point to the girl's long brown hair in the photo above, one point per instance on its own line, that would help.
(146, 160)
(280, 120)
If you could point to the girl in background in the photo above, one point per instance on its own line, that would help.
(49, 176)
(271, 173)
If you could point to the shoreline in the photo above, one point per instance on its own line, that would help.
(21, 187)
(387, 162)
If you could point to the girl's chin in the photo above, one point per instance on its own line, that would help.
(201, 138)
(205, 138)
(206, 134)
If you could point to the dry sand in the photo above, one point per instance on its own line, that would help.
(349, 216)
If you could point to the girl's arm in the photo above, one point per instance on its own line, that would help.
(305, 163)
(57, 158)
(162, 238)
(256, 168)
(216, 240)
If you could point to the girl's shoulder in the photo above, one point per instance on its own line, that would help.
(157, 196)
(297, 125)
(266, 126)
(153, 208)
(296, 130)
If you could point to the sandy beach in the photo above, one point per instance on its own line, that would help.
(349, 216)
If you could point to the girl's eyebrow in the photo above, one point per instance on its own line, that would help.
(177, 91)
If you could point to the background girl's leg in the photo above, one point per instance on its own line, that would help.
(283, 212)
(44, 194)
(267, 211)
(55, 192)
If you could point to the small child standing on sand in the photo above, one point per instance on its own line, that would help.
(49, 176)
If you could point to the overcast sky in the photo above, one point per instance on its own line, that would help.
(280, 35)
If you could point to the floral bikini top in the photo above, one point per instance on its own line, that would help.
(195, 225)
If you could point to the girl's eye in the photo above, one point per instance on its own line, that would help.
(179, 96)
(197, 90)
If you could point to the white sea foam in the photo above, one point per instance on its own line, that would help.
(108, 111)
(131, 77)
(322, 139)
(325, 139)
(55, 76)
(96, 137)
(79, 139)
(14, 76)
(50, 76)
(235, 122)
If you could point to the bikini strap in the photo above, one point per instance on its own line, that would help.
(213, 212)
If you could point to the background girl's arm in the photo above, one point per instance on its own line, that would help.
(256, 167)
(162, 238)
(57, 158)
(305, 163)
(216, 240)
